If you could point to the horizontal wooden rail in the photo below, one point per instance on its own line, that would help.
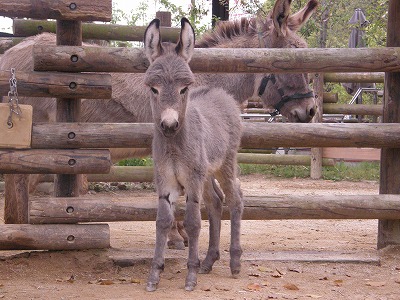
(366, 77)
(353, 109)
(213, 60)
(255, 135)
(51, 84)
(54, 237)
(102, 209)
(38, 161)
(83, 10)
(277, 159)
(108, 32)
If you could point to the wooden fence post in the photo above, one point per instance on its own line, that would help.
(68, 110)
(316, 153)
(389, 230)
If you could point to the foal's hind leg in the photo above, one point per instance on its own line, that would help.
(213, 200)
(233, 197)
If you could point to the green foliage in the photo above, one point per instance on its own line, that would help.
(341, 171)
(136, 162)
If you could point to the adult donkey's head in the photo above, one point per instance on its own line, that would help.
(290, 93)
(169, 76)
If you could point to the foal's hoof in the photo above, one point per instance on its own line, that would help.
(235, 273)
(189, 286)
(205, 270)
(151, 287)
(177, 245)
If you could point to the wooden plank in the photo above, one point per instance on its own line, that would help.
(83, 10)
(54, 237)
(353, 109)
(352, 154)
(365, 77)
(103, 209)
(277, 159)
(38, 161)
(255, 136)
(18, 134)
(16, 199)
(214, 60)
(389, 230)
(330, 97)
(50, 84)
(93, 31)
(316, 153)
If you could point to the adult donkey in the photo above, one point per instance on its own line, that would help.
(288, 93)
(196, 138)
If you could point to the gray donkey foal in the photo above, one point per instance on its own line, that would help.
(197, 135)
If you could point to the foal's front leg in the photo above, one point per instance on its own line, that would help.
(165, 217)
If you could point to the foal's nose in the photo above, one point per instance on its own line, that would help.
(169, 127)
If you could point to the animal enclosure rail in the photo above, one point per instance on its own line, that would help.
(99, 10)
(101, 209)
(51, 84)
(365, 77)
(108, 32)
(255, 135)
(213, 60)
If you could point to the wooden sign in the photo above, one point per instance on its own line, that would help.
(18, 135)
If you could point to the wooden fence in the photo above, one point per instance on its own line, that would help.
(70, 56)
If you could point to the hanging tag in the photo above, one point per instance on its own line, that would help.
(15, 132)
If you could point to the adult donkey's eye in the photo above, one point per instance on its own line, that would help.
(184, 90)
(155, 91)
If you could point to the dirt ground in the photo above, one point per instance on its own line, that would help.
(299, 259)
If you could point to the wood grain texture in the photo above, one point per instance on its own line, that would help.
(103, 209)
(38, 161)
(54, 237)
(258, 60)
(51, 84)
(83, 10)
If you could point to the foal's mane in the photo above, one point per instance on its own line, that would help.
(228, 30)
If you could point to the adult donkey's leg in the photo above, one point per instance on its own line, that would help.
(233, 198)
(213, 201)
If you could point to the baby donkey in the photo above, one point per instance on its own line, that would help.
(196, 138)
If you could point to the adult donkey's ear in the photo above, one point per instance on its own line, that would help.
(280, 15)
(152, 41)
(185, 45)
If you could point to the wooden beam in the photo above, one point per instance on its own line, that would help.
(54, 237)
(39, 161)
(277, 159)
(353, 109)
(254, 60)
(83, 10)
(51, 84)
(93, 31)
(389, 230)
(316, 153)
(255, 135)
(102, 209)
(365, 77)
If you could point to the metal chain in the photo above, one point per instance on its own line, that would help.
(13, 99)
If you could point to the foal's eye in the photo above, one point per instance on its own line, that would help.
(155, 91)
(184, 90)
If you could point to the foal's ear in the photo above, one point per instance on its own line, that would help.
(280, 15)
(152, 40)
(297, 20)
(185, 45)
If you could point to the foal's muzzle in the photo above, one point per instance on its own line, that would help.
(169, 128)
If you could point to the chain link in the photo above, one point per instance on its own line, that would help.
(13, 99)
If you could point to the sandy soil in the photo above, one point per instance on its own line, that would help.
(299, 259)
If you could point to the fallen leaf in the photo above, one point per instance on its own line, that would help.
(135, 280)
(265, 283)
(102, 282)
(376, 283)
(223, 288)
(295, 270)
(291, 287)
(324, 278)
(338, 282)
(254, 287)
(265, 269)
(71, 279)
(205, 288)
(276, 274)
(254, 275)
(314, 296)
